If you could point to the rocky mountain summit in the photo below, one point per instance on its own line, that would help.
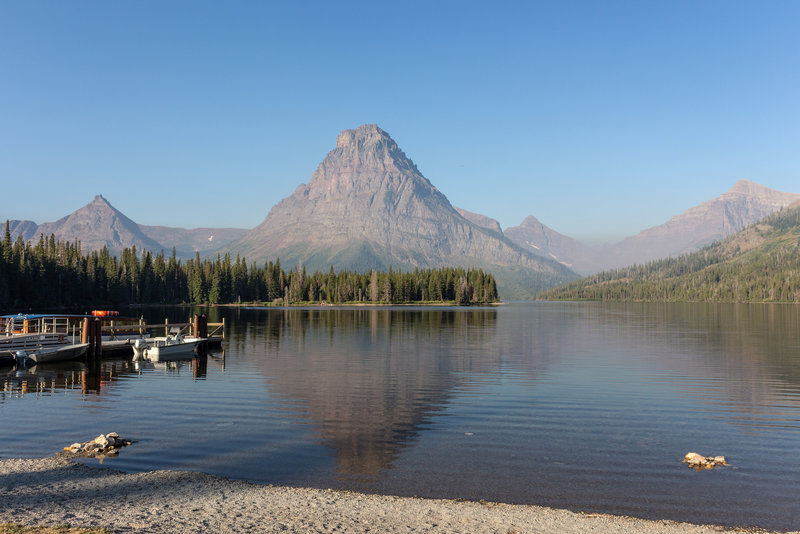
(368, 206)
(99, 224)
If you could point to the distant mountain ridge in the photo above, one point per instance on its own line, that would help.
(744, 204)
(368, 206)
(99, 224)
(756, 264)
(545, 241)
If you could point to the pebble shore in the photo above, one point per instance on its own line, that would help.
(56, 491)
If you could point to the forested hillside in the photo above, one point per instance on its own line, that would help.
(54, 274)
(758, 264)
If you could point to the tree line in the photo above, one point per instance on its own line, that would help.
(56, 274)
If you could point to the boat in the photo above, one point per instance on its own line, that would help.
(29, 331)
(8, 358)
(54, 354)
(173, 347)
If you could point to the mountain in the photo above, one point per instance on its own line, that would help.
(545, 241)
(481, 220)
(189, 242)
(368, 206)
(745, 203)
(757, 264)
(100, 224)
(27, 229)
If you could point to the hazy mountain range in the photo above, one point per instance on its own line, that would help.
(368, 206)
(745, 203)
(99, 224)
(756, 264)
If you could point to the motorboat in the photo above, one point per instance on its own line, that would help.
(58, 353)
(173, 347)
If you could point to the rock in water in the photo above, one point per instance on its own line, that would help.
(99, 447)
(699, 462)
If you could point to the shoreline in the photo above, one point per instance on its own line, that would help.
(56, 490)
(308, 304)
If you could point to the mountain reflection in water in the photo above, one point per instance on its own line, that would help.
(370, 377)
(589, 406)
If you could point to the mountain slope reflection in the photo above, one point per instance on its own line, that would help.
(370, 378)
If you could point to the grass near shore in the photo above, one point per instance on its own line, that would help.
(13, 528)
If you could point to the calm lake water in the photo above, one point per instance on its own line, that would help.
(586, 406)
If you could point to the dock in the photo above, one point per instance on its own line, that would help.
(115, 339)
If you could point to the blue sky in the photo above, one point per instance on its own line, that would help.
(599, 118)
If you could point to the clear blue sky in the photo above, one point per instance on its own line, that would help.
(599, 118)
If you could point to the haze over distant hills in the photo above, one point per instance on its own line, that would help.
(756, 264)
(745, 203)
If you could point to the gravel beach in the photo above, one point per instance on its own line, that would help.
(57, 491)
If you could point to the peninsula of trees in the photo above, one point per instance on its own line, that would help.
(55, 274)
(758, 264)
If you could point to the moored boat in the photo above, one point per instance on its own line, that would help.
(163, 348)
(8, 358)
(24, 332)
(56, 354)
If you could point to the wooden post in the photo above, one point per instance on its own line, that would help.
(223, 328)
(85, 330)
(202, 326)
(96, 334)
(166, 327)
(195, 326)
(99, 333)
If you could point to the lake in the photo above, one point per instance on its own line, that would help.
(586, 406)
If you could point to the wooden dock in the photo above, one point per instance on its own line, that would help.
(122, 334)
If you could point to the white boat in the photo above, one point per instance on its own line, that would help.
(54, 354)
(173, 347)
(29, 332)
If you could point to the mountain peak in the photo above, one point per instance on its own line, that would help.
(364, 135)
(362, 155)
(100, 201)
(530, 221)
(98, 224)
(368, 206)
(746, 187)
